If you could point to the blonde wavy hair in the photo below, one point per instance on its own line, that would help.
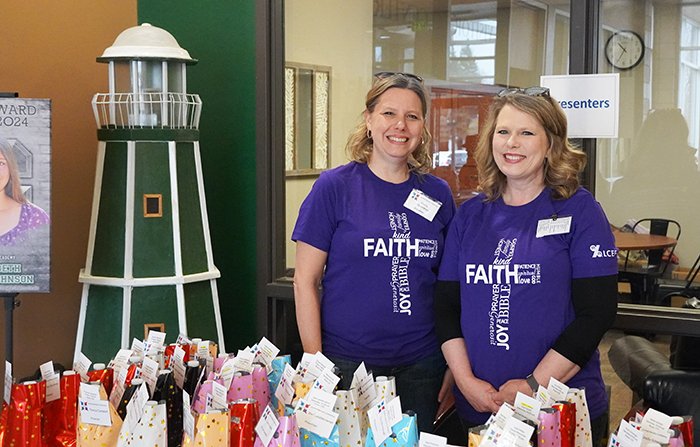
(13, 189)
(564, 162)
(359, 146)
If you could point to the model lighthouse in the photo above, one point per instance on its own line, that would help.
(149, 257)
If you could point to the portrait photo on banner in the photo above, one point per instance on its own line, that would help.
(25, 201)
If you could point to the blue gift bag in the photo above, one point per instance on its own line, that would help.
(404, 433)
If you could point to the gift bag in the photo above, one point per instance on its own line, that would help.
(24, 415)
(61, 415)
(97, 435)
(199, 405)
(129, 392)
(244, 417)
(261, 388)
(287, 434)
(349, 430)
(3, 423)
(311, 439)
(168, 392)
(241, 387)
(103, 375)
(210, 430)
(548, 432)
(152, 429)
(404, 433)
(273, 379)
(567, 422)
(583, 436)
(385, 388)
(193, 375)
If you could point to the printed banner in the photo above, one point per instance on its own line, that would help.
(25, 201)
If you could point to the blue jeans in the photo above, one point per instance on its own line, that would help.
(417, 384)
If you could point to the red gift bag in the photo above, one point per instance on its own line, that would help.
(25, 414)
(61, 415)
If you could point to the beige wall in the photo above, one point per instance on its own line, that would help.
(48, 50)
(335, 33)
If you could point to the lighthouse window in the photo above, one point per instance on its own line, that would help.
(152, 205)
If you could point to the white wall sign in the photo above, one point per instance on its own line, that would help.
(591, 103)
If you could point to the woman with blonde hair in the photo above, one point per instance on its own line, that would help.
(18, 217)
(528, 281)
(371, 232)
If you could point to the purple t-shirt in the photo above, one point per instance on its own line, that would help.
(31, 217)
(383, 258)
(516, 287)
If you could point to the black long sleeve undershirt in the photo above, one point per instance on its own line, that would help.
(595, 306)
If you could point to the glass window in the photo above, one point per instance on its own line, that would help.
(651, 170)
(465, 51)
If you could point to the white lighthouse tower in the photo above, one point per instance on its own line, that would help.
(149, 258)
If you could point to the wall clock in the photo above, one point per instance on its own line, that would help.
(624, 50)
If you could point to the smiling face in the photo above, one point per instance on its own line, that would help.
(396, 124)
(520, 146)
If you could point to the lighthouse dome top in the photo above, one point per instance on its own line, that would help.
(146, 42)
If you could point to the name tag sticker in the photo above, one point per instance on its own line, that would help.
(422, 204)
(553, 225)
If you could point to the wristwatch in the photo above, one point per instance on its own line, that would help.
(534, 385)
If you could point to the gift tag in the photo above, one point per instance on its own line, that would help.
(89, 391)
(122, 357)
(285, 391)
(382, 416)
(326, 381)
(266, 352)
(422, 204)
(149, 372)
(430, 440)
(504, 413)
(53, 387)
(95, 412)
(655, 425)
(178, 365)
(243, 361)
(137, 347)
(543, 396)
(182, 339)
(302, 371)
(319, 364)
(366, 392)
(527, 407)
(218, 392)
(267, 425)
(187, 417)
(47, 370)
(553, 225)
(81, 365)
(226, 372)
(628, 435)
(321, 399)
(8, 381)
(557, 390)
(156, 338)
(519, 429)
(315, 419)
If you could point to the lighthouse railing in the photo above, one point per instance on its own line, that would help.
(147, 110)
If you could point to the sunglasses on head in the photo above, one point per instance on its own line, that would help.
(386, 74)
(530, 91)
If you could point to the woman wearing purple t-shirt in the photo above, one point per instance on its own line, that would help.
(528, 281)
(18, 217)
(371, 233)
